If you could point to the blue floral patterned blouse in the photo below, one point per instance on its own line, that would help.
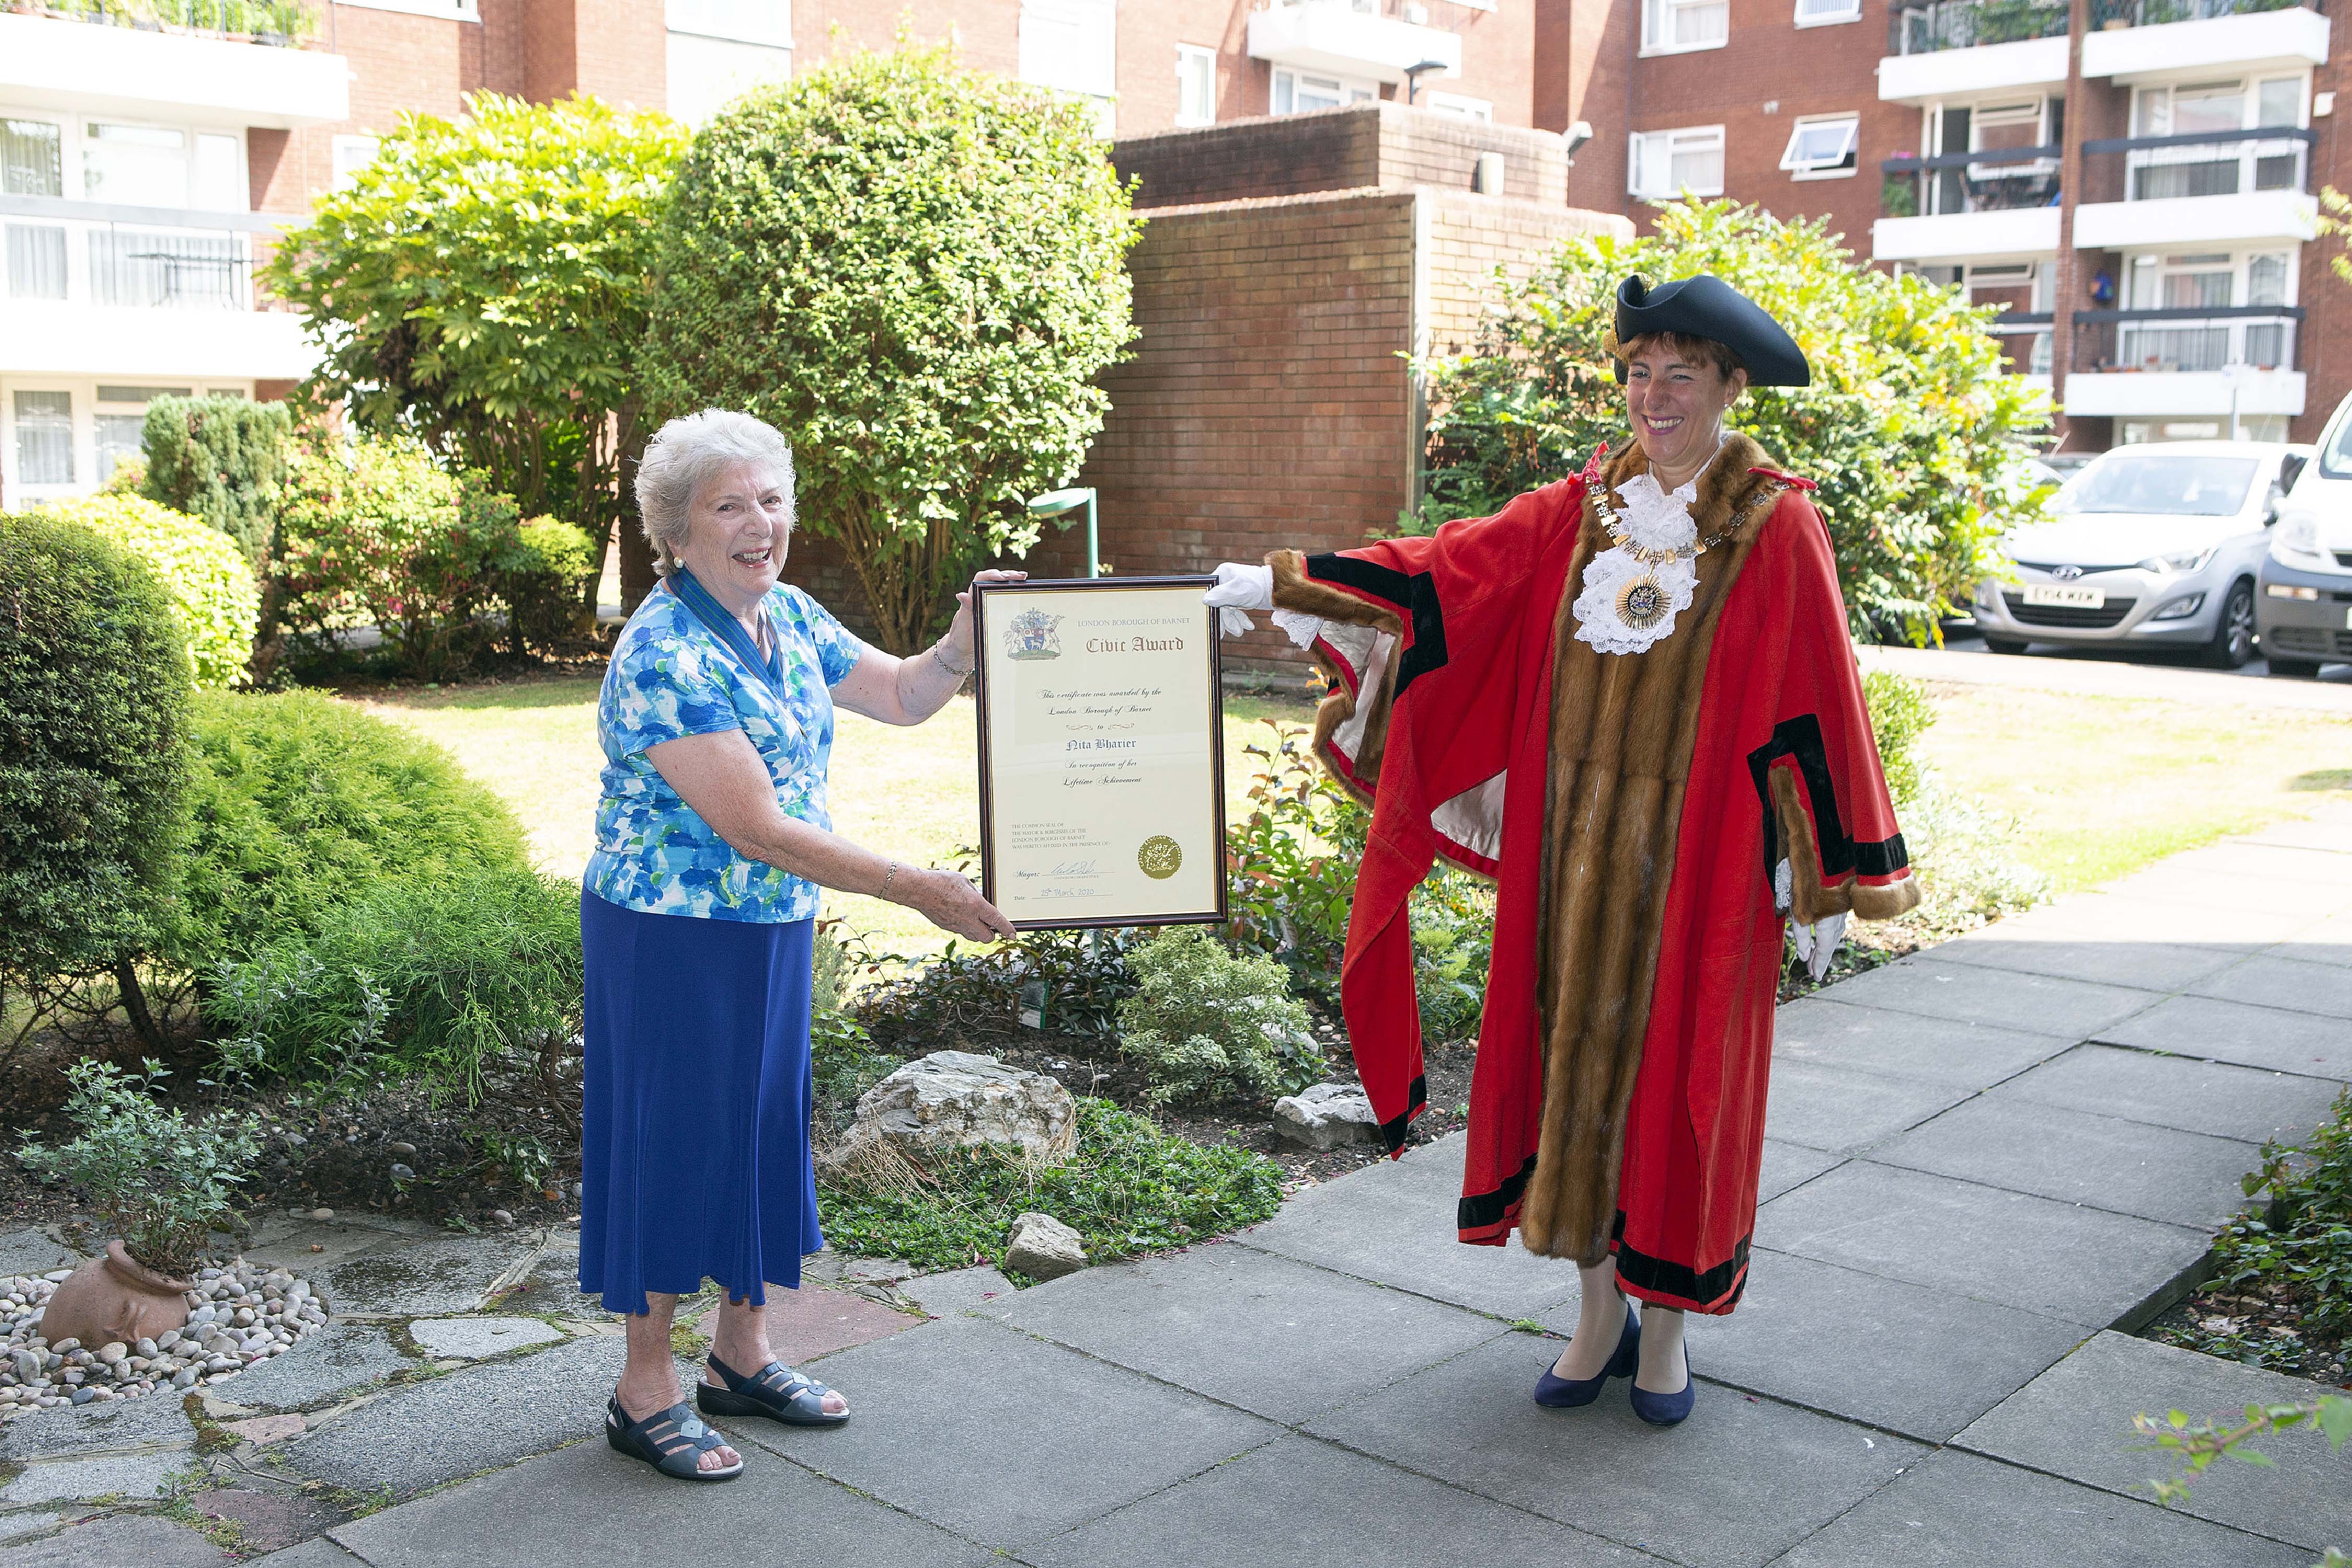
(671, 677)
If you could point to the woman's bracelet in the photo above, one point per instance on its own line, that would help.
(939, 653)
(888, 878)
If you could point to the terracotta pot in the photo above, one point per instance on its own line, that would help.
(113, 1297)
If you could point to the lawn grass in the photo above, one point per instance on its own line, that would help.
(2100, 785)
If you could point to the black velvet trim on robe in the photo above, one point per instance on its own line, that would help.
(1801, 738)
(1714, 1290)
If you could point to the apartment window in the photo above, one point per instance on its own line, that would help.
(219, 174)
(1668, 26)
(1819, 13)
(36, 261)
(1196, 85)
(135, 165)
(121, 422)
(350, 156)
(1072, 44)
(31, 162)
(1296, 92)
(1662, 163)
(1822, 146)
(2266, 278)
(1461, 108)
(44, 454)
(767, 21)
(2220, 168)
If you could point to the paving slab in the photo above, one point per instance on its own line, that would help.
(1921, 1362)
(1822, 1031)
(325, 1364)
(118, 1540)
(2290, 983)
(1393, 1224)
(36, 1252)
(588, 1504)
(2234, 892)
(1739, 1482)
(1789, 1166)
(2328, 828)
(2263, 864)
(1003, 1439)
(151, 1420)
(2130, 1167)
(316, 1552)
(2273, 1038)
(2083, 1265)
(429, 1279)
(1935, 987)
(1297, 1503)
(2074, 1420)
(959, 1289)
(2329, 942)
(553, 1285)
(1278, 1338)
(812, 1321)
(2109, 917)
(268, 1520)
(1957, 1511)
(2223, 1101)
(2141, 965)
(1840, 1112)
(475, 1338)
(70, 1480)
(286, 1239)
(424, 1434)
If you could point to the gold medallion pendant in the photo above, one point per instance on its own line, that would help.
(1641, 603)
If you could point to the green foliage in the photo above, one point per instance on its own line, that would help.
(1910, 430)
(1900, 712)
(2304, 1248)
(212, 589)
(2195, 1445)
(542, 577)
(844, 1064)
(1452, 916)
(93, 711)
(375, 532)
(1210, 1024)
(160, 1180)
(300, 802)
(1131, 1188)
(1072, 980)
(222, 459)
(276, 21)
(915, 271)
(484, 283)
(1289, 872)
(448, 979)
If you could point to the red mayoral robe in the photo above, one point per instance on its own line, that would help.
(1633, 809)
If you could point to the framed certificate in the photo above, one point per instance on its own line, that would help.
(1102, 778)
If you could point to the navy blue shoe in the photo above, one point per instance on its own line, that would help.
(1666, 1409)
(1562, 1393)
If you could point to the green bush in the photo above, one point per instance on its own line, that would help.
(541, 577)
(222, 459)
(93, 765)
(1289, 872)
(1900, 712)
(160, 1182)
(445, 978)
(844, 1064)
(1072, 980)
(915, 272)
(1129, 1188)
(1910, 429)
(1210, 1024)
(212, 588)
(2300, 1251)
(300, 802)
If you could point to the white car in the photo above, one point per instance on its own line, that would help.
(2305, 613)
(2157, 545)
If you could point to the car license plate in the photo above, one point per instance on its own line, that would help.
(2064, 597)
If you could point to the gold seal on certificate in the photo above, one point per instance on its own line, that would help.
(1101, 756)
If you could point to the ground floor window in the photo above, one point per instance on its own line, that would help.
(1297, 92)
(63, 436)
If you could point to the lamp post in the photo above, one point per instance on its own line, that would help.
(1056, 504)
(1412, 74)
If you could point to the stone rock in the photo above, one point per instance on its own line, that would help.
(1327, 1116)
(956, 1100)
(1043, 1248)
(475, 1338)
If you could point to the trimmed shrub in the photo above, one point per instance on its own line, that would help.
(300, 802)
(212, 588)
(542, 575)
(222, 459)
(1207, 1024)
(1900, 712)
(93, 709)
(449, 979)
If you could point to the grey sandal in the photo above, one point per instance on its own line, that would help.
(672, 1441)
(775, 1391)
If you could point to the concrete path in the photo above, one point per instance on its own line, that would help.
(1989, 1163)
(2099, 673)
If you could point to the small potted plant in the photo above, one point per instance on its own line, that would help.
(161, 1183)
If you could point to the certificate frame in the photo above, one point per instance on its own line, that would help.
(992, 613)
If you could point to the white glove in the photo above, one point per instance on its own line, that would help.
(1816, 944)
(1239, 588)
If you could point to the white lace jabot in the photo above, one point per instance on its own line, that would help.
(1655, 520)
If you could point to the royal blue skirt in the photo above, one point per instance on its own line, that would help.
(695, 1113)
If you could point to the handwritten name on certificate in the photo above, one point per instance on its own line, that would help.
(1101, 779)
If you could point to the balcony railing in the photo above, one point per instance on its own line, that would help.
(1994, 180)
(1926, 25)
(2211, 163)
(136, 266)
(282, 24)
(2111, 13)
(2193, 339)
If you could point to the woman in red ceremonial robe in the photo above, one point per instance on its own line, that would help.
(1629, 698)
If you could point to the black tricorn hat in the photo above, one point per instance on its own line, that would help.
(1707, 307)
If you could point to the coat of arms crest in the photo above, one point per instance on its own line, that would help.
(1034, 634)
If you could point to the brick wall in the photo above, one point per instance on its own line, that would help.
(2324, 341)
(1364, 144)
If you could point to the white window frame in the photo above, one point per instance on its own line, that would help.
(1656, 13)
(1456, 104)
(1848, 163)
(73, 142)
(1677, 139)
(347, 156)
(1851, 12)
(1283, 98)
(1196, 68)
(82, 392)
(2250, 152)
(767, 21)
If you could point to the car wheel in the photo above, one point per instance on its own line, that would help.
(2232, 647)
(2003, 645)
(2296, 668)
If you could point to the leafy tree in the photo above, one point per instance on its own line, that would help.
(222, 459)
(483, 284)
(1914, 436)
(914, 271)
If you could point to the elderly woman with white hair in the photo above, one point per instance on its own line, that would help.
(696, 919)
